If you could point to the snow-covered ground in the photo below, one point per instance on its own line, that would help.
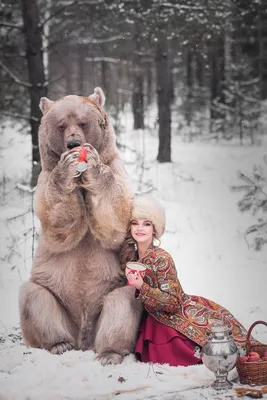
(204, 233)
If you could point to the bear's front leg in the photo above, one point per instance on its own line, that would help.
(60, 204)
(118, 326)
(44, 322)
(108, 199)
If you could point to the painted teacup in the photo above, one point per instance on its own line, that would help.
(133, 267)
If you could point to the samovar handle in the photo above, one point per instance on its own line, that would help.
(208, 334)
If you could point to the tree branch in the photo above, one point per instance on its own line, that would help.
(254, 184)
(73, 3)
(106, 59)
(17, 80)
(18, 116)
(9, 25)
(180, 6)
(15, 55)
(13, 76)
(104, 40)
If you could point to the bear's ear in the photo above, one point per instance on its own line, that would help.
(45, 104)
(98, 97)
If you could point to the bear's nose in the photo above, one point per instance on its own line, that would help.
(73, 143)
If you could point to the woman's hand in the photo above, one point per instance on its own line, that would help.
(135, 280)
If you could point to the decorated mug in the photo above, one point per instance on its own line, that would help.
(135, 268)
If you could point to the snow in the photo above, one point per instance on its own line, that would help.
(75, 375)
(204, 233)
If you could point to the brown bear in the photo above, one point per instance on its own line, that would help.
(77, 297)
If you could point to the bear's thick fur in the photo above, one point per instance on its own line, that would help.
(77, 297)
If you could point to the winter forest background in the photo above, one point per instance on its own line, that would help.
(204, 61)
(186, 88)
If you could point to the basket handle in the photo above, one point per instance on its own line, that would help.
(248, 344)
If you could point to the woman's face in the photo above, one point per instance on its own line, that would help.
(142, 231)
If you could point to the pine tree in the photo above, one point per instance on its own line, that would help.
(239, 113)
(255, 200)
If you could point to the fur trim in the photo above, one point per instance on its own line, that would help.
(147, 207)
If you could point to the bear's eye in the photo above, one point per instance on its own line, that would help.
(62, 127)
(83, 125)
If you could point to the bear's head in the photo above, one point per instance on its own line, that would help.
(73, 121)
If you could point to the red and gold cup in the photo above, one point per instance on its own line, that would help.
(135, 268)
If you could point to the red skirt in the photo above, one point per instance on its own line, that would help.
(158, 343)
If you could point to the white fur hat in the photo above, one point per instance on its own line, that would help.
(147, 207)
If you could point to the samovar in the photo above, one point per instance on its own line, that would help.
(219, 354)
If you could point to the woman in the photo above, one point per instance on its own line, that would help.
(174, 325)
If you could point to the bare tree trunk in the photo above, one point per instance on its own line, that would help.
(240, 120)
(138, 89)
(138, 102)
(189, 91)
(217, 76)
(149, 87)
(228, 59)
(221, 69)
(81, 59)
(69, 68)
(227, 55)
(164, 93)
(200, 73)
(34, 55)
(213, 80)
(170, 62)
(46, 32)
(262, 83)
(106, 75)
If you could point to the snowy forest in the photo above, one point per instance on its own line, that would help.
(186, 89)
(210, 54)
(205, 61)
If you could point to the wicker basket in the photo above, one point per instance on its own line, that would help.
(253, 373)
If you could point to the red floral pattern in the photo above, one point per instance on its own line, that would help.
(165, 300)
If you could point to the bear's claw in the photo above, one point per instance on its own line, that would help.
(110, 357)
(60, 348)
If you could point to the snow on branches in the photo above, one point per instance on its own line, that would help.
(255, 200)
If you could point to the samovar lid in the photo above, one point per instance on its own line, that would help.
(218, 327)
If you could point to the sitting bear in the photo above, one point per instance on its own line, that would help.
(77, 297)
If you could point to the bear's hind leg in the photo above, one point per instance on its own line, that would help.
(118, 326)
(44, 322)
